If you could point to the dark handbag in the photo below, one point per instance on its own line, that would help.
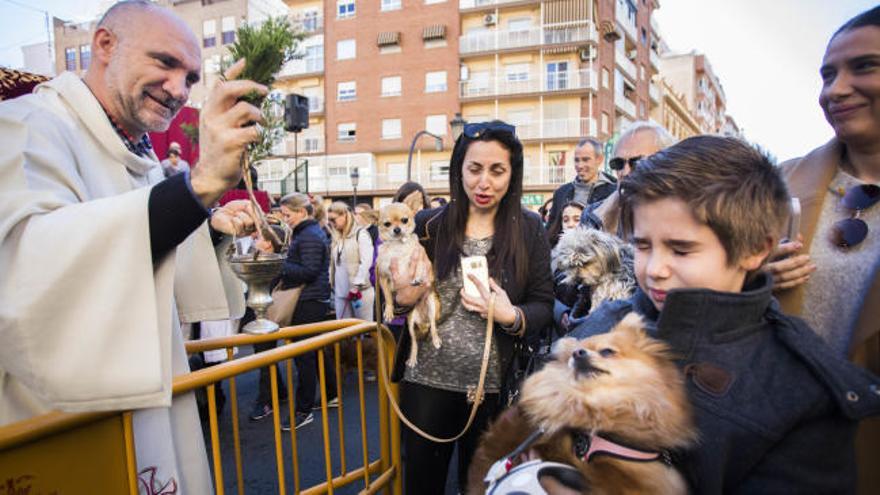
(526, 359)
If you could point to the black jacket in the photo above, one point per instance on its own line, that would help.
(776, 409)
(605, 185)
(308, 262)
(535, 298)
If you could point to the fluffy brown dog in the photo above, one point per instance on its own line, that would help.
(621, 387)
(399, 242)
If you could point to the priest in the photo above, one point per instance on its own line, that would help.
(102, 257)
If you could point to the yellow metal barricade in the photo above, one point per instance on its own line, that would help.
(94, 453)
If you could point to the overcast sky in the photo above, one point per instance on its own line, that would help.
(766, 53)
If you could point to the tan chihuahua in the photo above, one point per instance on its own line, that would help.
(396, 228)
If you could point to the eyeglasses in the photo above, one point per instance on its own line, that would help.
(618, 163)
(851, 231)
(473, 131)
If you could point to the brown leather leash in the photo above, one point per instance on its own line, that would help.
(478, 395)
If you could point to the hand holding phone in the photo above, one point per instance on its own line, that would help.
(794, 221)
(479, 267)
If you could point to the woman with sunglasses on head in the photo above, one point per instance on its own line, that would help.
(483, 218)
(830, 274)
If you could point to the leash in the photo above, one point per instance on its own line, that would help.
(478, 395)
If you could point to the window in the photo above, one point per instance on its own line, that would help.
(519, 24)
(439, 170)
(391, 86)
(209, 33)
(557, 75)
(435, 82)
(604, 123)
(606, 75)
(390, 5)
(228, 25)
(346, 91)
(344, 9)
(396, 173)
(311, 22)
(644, 36)
(346, 49)
(519, 118)
(85, 56)
(346, 132)
(479, 82)
(517, 72)
(314, 58)
(436, 124)
(390, 128)
(70, 58)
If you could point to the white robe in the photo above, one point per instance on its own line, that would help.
(87, 321)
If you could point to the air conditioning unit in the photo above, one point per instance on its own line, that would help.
(489, 20)
(632, 54)
(587, 54)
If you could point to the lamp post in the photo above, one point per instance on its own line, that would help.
(355, 178)
(438, 145)
(457, 124)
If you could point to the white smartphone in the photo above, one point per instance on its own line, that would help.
(479, 267)
(794, 221)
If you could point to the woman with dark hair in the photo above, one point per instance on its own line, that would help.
(483, 217)
(830, 271)
(569, 219)
(412, 194)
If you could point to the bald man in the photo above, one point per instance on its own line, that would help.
(102, 257)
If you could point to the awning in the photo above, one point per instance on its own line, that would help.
(435, 32)
(564, 11)
(388, 38)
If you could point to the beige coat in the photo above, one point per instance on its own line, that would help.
(808, 179)
(356, 252)
(88, 321)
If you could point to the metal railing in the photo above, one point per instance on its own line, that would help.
(309, 24)
(499, 39)
(557, 128)
(654, 92)
(655, 59)
(470, 4)
(302, 66)
(54, 445)
(541, 82)
(624, 103)
(626, 65)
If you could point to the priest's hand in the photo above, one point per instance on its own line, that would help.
(225, 129)
(235, 218)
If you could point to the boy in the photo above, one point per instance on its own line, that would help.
(776, 410)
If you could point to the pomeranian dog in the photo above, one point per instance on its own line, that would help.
(613, 406)
(598, 260)
(399, 242)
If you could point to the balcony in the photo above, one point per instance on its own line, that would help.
(628, 25)
(302, 66)
(625, 105)
(626, 65)
(556, 82)
(308, 24)
(316, 104)
(476, 4)
(498, 39)
(654, 92)
(573, 128)
(655, 59)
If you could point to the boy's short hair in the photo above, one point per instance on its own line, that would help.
(729, 186)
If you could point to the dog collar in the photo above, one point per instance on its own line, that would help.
(587, 446)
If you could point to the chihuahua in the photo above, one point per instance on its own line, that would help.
(396, 229)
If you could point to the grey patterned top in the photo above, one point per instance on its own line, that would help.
(836, 291)
(455, 366)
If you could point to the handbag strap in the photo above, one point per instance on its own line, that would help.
(478, 396)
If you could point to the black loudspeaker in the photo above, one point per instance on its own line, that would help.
(296, 113)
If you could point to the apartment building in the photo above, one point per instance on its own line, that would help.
(73, 45)
(672, 111)
(691, 75)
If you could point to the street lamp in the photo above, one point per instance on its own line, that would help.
(355, 178)
(457, 124)
(438, 145)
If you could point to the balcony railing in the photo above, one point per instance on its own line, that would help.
(302, 66)
(535, 83)
(316, 104)
(654, 92)
(655, 59)
(624, 104)
(625, 22)
(557, 128)
(626, 65)
(470, 4)
(309, 24)
(499, 39)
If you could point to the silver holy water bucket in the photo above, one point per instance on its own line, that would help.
(258, 274)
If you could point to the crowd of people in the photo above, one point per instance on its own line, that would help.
(777, 334)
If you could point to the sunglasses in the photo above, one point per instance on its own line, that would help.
(618, 163)
(851, 231)
(473, 131)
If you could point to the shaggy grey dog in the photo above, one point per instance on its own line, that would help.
(598, 260)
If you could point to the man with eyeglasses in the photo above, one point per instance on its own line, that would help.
(639, 140)
(590, 185)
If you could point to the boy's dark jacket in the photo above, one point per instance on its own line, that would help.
(308, 262)
(777, 411)
(535, 298)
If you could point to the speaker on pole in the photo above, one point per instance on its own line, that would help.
(296, 113)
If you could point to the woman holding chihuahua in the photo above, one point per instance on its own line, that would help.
(350, 261)
(484, 218)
